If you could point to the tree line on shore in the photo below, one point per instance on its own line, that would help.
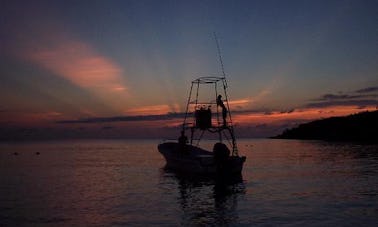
(360, 127)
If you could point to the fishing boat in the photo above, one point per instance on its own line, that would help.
(207, 119)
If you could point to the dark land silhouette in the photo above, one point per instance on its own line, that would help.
(360, 127)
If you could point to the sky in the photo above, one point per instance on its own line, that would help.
(123, 69)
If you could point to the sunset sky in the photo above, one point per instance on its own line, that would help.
(126, 66)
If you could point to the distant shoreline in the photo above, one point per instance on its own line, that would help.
(359, 127)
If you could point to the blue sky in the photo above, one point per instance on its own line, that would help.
(66, 60)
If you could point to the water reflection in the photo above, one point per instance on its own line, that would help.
(208, 201)
(121, 183)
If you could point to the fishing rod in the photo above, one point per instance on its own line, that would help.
(219, 54)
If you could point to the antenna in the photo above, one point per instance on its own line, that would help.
(219, 54)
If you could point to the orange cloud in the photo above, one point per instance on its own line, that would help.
(80, 64)
(59, 53)
(240, 103)
(308, 114)
(153, 110)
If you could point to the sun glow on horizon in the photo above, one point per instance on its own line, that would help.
(305, 114)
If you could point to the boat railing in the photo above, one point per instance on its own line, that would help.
(167, 141)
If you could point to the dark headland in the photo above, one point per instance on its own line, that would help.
(360, 127)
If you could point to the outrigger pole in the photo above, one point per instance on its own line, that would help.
(219, 54)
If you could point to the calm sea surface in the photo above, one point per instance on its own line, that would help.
(123, 183)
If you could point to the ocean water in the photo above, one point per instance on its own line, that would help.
(124, 183)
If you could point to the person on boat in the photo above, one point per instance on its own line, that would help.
(224, 109)
(183, 140)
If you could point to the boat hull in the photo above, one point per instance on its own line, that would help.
(195, 160)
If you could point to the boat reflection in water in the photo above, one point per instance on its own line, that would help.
(208, 201)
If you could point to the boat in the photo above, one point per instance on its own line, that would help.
(207, 119)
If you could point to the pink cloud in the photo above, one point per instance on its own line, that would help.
(80, 64)
(240, 103)
(153, 110)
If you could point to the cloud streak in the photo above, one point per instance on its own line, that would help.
(56, 50)
(328, 97)
(326, 105)
(80, 64)
(358, 103)
(368, 90)
(153, 110)
(157, 117)
(361, 98)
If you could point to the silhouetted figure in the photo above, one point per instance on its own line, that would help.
(183, 140)
(224, 109)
